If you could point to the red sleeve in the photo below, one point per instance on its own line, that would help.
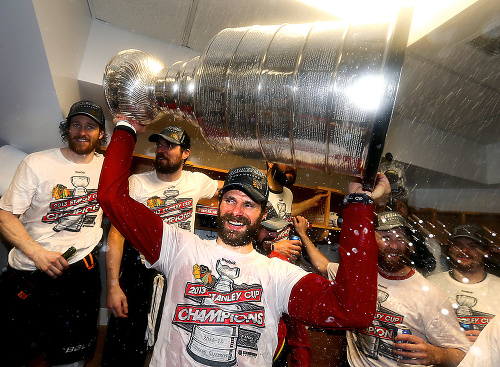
(298, 342)
(278, 255)
(350, 300)
(295, 332)
(136, 223)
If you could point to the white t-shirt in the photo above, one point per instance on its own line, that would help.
(282, 204)
(474, 304)
(486, 349)
(57, 203)
(225, 306)
(413, 302)
(175, 201)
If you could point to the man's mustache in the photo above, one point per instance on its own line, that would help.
(236, 218)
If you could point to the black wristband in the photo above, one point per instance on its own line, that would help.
(358, 198)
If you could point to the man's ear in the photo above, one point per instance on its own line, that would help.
(186, 153)
(264, 213)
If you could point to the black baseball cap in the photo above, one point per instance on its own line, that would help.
(173, 134)
(249, 180)
(472, 231)
(388, 220)
(89, 109)
(273, 222)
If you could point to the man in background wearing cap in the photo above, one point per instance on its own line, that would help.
(50, 206)
(172, 193)
(280, 178)
(474, 293)
(426, 251)
(224, 300)
(404, 297)
(293, 339)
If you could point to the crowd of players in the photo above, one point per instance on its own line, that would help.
(245, 298)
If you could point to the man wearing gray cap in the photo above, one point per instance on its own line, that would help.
(224, 300)
(50, 298)
(293, 339)
(474, 293)
(172, 193)
(405, 299)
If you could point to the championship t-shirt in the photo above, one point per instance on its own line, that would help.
(175, 201)
(57, 203)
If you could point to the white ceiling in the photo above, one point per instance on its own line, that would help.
(446, 82)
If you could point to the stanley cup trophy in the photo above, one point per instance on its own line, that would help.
(316, 95)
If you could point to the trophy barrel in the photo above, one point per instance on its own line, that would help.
(315, 95)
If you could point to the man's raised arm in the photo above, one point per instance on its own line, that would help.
(136, 223)
(350, 300)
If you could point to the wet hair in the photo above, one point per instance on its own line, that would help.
(64, 131)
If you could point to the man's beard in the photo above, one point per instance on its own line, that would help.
(393, 265)
(76, 148)
(167, 166)
(263, 245)
(235, 238)
(281, 177)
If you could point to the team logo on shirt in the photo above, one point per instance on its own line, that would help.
(73, 207)
(469, 318)
(219, 319)
(377, 339)
(172, 209)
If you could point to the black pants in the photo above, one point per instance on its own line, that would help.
(125, 343)
(56, 317)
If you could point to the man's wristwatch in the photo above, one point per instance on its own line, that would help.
(358, 198)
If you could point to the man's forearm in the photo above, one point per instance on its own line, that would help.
(301, 207)
(16, 235)
(114, 254)
(449, 357)
(138, 224)
(318, 260)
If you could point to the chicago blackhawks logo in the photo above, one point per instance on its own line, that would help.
(172, 209)
(72, 208)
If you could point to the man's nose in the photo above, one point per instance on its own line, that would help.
(393, 244)
(238, 209)
(464, 249)
(80, 129)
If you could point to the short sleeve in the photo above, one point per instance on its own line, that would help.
(17, 199)
(331, 270)
(208, 186)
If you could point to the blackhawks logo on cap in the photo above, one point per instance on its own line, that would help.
(174, 135)
(257, 184)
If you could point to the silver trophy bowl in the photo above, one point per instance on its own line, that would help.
(315, 95)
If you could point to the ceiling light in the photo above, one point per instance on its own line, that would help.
(427, 14)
